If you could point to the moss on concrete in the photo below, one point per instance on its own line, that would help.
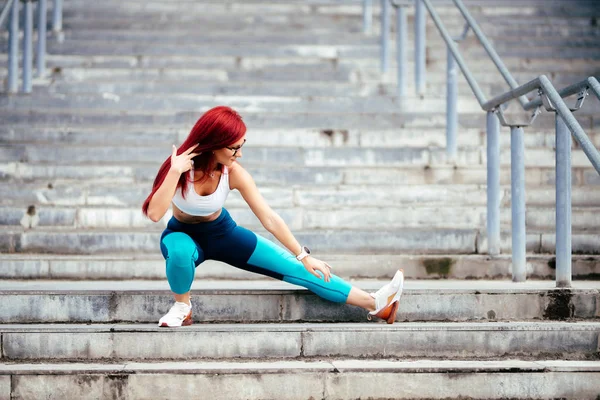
(438, 266)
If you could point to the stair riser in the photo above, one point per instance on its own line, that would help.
(286, 156)
(185, 345)
(305, 384)
(369, 216)
(103, 174)
(148, 307)
(442, 241)
(348, 267)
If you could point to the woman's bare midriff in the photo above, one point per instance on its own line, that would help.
(193, 219)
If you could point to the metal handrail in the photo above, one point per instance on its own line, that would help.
(5, 11)
(552, 101)
(12, 8)
(512, 83)
(542, 82)
(588, 83)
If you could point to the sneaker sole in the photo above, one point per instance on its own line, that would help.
(388, 313)
(186, 322)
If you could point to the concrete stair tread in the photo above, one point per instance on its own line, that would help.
(515, 64)
(347, 265)
(311, 327)
(336, 366)
(457, 341)
(62, 301)
(328, 157)
(274, 286)
(289, 380)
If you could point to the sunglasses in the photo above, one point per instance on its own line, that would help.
(236, 149)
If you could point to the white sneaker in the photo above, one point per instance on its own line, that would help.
(387, 299)
(179, 315)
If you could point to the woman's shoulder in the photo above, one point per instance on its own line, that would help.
(237, 175)
(235, 169)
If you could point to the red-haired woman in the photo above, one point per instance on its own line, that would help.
(196, 179)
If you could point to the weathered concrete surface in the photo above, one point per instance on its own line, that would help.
(151, 266)
(333, 379)
(565, 340)
(5, 387)
(269, 301)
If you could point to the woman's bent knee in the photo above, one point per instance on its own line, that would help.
(182, 256)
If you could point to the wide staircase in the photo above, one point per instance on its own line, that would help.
(359, 175)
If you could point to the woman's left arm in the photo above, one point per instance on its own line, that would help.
(241, 180)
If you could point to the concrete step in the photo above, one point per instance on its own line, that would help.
(434, 136)
(360, 80)
(282, 156)
(303, 194)
(186, 11)
(291, 380)
(226, 36)
(192, 61)
(384, 86)
(421, 240)
(81, 47)
(275, 104)
(273, 301)
(58, 240)
(69, 240)
(263, 120)
(306, 217)
(324, 29)
(348, 266)
(463, 341)
(71, 174)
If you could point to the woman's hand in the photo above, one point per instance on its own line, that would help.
(313, 265)
(183, 162)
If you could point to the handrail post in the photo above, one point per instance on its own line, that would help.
(367, 16)
(57, 18)
(41, 44)
(419, 47)
(493, 183)
(385, 35)
(13, 49)
(517, 177)
(401, 49)
(28, 47)
(563, 204)
(451, 106)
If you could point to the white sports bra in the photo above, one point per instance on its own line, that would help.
(202, 206)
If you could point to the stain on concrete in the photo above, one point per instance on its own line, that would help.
(438, 266)
(30, 219)
(491, 315)
(559, 305)
(331, 133)
(552, 263)
(117, 385)
(87, 379)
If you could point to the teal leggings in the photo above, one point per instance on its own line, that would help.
(185, 246)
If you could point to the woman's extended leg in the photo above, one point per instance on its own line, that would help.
(244, 249)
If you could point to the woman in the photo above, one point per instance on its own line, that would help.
(196, 179)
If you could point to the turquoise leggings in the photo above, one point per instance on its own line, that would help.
(185, 246)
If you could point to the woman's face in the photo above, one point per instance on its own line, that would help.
(227, 155)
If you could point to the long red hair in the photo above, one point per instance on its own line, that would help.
(219, 127)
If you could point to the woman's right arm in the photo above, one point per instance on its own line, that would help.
(160, 201)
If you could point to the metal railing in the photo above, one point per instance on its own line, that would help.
(548, 96)
(11, 11)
